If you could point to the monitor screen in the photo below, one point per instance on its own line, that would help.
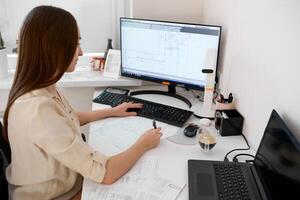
(168, 52)
(278, 160)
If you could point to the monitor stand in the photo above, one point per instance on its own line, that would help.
(171, 92)
(201, 111)
(205, 109)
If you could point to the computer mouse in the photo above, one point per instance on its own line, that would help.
(190, 130)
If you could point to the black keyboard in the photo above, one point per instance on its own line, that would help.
(152, 110)
(231, 182)
(108, 98)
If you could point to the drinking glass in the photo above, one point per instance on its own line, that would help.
(207, 138)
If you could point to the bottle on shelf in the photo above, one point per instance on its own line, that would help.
(15, 50)
(1, 42)
(109, 46)
(97, 62)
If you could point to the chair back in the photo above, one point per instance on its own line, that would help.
(4, 161)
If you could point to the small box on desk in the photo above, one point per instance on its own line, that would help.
(229, 122)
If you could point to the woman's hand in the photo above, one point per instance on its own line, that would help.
(150, 139)
(117, 165)
(122, 109)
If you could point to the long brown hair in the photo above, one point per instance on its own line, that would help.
(47, 43)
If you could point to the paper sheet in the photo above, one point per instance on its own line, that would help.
(140, 182)
(124, 132)
(147, 188)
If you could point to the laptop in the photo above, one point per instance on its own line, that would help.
(274, 173)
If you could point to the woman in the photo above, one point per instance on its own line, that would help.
(49, 157)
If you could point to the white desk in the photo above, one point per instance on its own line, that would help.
(172, 158)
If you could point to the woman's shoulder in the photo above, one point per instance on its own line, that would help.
(38, 94)
(33, 101)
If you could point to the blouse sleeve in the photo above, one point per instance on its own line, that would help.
(55, 134)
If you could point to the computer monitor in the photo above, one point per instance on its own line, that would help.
(170, 53)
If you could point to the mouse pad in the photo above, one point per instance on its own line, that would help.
(180, 138)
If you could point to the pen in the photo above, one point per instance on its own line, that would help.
(154, 124)
(221, 98)
(224, 115)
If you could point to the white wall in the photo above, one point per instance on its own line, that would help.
(260, 61)
(97, 20)
(169, 10)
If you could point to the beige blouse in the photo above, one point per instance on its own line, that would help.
(48, 153)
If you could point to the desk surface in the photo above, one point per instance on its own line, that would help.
(172, 158)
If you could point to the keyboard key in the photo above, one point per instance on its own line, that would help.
(231, 183)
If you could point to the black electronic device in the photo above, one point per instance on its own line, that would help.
(110, 94)
(229, 122)
(170, 53)
(274, 173)
(190, 130)
(168, 114)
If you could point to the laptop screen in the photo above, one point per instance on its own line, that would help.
(278, 160)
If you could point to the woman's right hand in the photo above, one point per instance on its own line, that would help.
(117, 165)
(150, 139)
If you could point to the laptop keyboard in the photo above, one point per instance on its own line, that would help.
(230, 182)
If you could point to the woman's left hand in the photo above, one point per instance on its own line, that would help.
(122, 109)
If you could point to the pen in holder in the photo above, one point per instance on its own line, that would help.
(225, 104)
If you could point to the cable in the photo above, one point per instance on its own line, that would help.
(240, 149)
(241, 154)
(197, 96)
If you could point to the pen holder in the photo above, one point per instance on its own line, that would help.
(229, 122)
